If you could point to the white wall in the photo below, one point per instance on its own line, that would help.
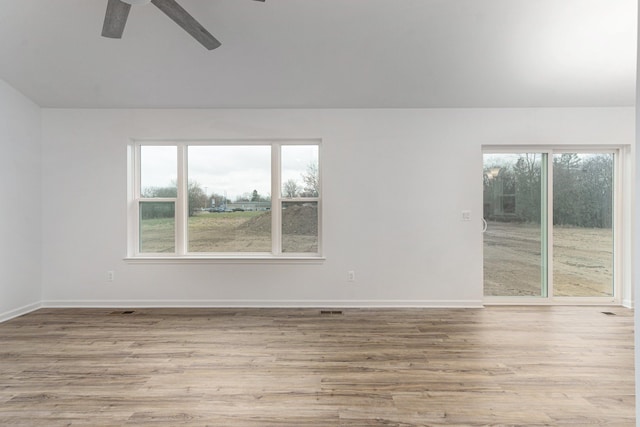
(20, 217)
(423, 255)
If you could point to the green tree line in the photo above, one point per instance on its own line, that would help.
(197, 200)
(582, 189)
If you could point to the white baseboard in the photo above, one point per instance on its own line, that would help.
(8, 315)
(628, 303)
(263, 303)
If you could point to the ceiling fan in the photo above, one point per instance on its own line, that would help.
(118, 11)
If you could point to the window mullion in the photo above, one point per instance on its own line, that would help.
(182, 204)
(276, 200)
(135, 191)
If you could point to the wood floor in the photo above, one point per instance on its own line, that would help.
(296, 367)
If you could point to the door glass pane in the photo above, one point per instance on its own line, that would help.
(157, 227)
(583, 224)
(515, 235)
(229, 198)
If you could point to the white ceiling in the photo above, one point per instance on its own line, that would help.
(326, 53)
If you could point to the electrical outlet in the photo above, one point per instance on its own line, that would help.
(351, 276)
(110, 276)
(466, 215)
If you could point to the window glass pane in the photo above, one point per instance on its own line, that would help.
(300, 227)
(514, 261)
(158, 171)
(300, 171)
(229, 198)
(157, 227)
(582, 225)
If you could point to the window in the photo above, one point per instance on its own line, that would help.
(225, 200)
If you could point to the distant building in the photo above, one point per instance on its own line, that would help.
(249, 206)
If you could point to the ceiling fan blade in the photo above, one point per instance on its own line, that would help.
(115, 18)
(181, 17)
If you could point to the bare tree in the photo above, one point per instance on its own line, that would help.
(197, 197)
(291, 189)
(311, 181)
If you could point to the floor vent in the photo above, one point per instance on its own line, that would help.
(123, 312)
(330, 311)
(608, 313)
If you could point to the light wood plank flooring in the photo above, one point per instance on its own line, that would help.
(296, 367)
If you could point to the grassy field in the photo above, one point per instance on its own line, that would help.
(234, 232)
(157, 235)
(224, 232)
(582, 260)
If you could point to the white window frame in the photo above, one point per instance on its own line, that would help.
(181, 253)
(621, 226)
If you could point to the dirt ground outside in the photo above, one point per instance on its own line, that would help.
(582, 260)
(240, 232)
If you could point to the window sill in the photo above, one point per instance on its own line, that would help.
(225, 260)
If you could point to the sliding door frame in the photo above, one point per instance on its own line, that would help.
(620, 226)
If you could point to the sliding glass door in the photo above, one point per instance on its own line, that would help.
(548, 225)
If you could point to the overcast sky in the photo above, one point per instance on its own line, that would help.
(232, 169)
